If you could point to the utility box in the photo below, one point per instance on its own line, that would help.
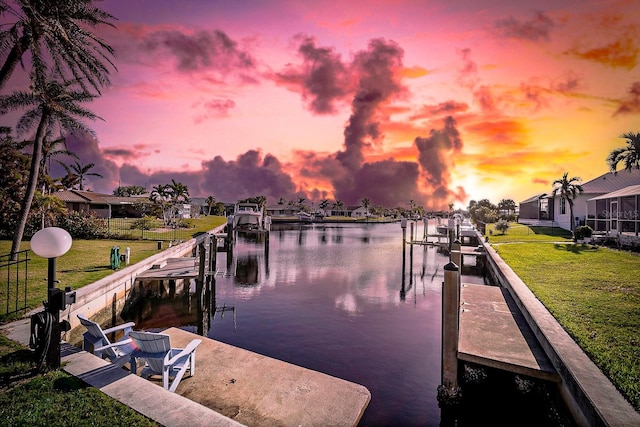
(115, 257)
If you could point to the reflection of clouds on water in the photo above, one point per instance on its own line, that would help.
(347, 302)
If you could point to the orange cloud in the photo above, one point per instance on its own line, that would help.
(414, 72)
(500, 134)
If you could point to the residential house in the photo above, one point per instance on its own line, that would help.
(103, 205)
(615, 213)
(544, 209)
(360, 212)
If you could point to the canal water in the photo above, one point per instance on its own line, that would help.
(343, 299)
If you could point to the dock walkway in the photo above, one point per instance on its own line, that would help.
(231, 387)
(494, 333)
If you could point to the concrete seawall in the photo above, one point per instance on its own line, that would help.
(101, 299)
(588, 393)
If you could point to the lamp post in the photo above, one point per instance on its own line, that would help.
(50, 243)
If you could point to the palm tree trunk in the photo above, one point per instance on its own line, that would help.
(31, 185)
(571, 219)
(12, 60)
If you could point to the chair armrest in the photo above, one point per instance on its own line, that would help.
(187, 350)
(115, 344)
(128, 325)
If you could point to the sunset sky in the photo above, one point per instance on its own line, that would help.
(434, 101)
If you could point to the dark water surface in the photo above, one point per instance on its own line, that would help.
(335, 299)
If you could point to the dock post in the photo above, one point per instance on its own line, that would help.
(230, 229)
(403, 224)
(411, 234)
(425, 232)
(456, 254)
(448, 390)
(450, 232)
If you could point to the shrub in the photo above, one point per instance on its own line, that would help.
(83, 225)
(583, 231)
(502, 226)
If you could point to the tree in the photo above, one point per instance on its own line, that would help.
(58, 31)
(55, 105)
(210, 202)
(507, 205)
(129, 190)
(483, 211)
(14, 173)
(502, 226)
(79, 171)
(338, 205)
(160, 196)
(629, 155)
(568, 189)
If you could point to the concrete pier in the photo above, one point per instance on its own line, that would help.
(231, 387)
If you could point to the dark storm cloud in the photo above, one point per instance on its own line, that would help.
(200, 50)
(388, 183)
(535, 29)
(436, 157)
(322, 77)
(86, 148)
(378, 69)
(249, 175)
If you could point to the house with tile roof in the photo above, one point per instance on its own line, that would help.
(544, 209)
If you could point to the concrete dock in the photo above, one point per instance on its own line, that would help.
(260, 391)
(494, 333)
(231, 386)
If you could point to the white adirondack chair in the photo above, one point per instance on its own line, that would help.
(161, 359)
(95, 341)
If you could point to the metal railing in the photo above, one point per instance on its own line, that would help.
(13, 277)
(146, 229)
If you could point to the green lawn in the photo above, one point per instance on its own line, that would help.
(524, 233)
(86, 262)
(54, 398)
(594, 292)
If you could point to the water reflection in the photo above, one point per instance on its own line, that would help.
(347, 300)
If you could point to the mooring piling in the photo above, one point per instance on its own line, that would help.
(450, 325)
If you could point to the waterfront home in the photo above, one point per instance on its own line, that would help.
(616, 213)
(103, 205)
(544, 209)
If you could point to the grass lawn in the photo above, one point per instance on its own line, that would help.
(594, 292)
(524, 233)
(86, 262)
(54, 398)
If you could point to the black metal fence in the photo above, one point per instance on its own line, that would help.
(13, 276)
(147, 229)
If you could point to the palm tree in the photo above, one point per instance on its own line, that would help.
(53, 105)
(568, 189)
(412, 205)
(58, 30)
(160, 195)
(365, 204)
(338, 205)
(629, 155)
(210, 202)
(79, 171)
